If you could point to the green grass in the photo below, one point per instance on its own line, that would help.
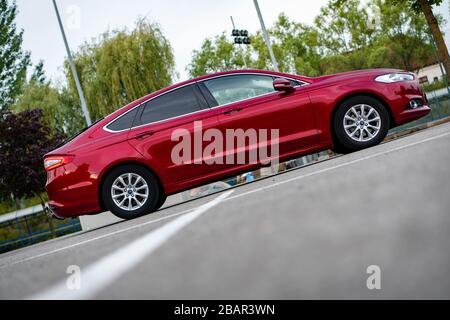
(11, 206)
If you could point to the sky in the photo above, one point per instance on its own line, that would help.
(186, 23)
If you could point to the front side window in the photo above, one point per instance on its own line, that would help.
(234, 88)
(173, 104)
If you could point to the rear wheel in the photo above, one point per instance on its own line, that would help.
(360, 122)
(131, 191)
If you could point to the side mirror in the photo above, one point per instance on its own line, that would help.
(284, 85)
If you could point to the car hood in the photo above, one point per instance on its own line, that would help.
(354, 74)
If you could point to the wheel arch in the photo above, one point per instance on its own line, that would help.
(121, 164)
(361, 93)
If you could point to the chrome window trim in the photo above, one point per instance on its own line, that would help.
(148, 100)
(303, 83)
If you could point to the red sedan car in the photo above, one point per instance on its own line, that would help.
(124, 163)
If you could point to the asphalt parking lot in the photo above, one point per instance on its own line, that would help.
(308, 233)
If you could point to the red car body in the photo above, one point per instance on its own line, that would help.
(304, 118)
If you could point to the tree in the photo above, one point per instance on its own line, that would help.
(38, 73)
(60, 107)
(38, 93)
(404, 34)
(343, 26)
(122, 66)
(13, 60)
(380, 34)
(24, 140)
(216, 55)
(346, 35)
(425, 6)
(295, 46)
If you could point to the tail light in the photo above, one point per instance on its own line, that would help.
(54, 162)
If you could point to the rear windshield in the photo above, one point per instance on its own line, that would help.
(77, 134)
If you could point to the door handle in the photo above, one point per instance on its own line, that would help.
(144, 135)
(231, 111)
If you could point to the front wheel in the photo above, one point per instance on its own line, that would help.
(131, 191)
(360, 122)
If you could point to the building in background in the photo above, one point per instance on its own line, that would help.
(429, 74)
(433, 72)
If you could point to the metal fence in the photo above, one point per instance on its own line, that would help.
(25, 230)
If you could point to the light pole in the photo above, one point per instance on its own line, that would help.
(74, 70)
(266, 36)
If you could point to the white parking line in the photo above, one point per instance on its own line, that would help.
(104, 272)
(96, 238)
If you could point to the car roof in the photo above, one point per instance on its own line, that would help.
(218, 74)
(139, 101)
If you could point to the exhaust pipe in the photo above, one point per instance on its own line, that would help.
(51, 214)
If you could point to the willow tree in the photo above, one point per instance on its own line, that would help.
(122, 66)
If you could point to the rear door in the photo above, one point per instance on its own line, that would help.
(162, 117)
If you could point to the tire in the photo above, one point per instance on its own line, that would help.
(337, 148)
(117, 188)
(162, 200)
(359, 122)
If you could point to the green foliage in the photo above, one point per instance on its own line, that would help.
(13, 60)
(216, 55)
(343, 26)
(38, 73)
(345, 36)
(415, 4)
(37, 95)
(122, 66)
(60, 106)
(21, 203)
(296, 47)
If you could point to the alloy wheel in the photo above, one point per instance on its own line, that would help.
(362, 122)
(130, 191)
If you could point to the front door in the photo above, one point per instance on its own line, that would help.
(249, 102)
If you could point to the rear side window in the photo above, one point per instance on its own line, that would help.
(124, 122)
(176, 103)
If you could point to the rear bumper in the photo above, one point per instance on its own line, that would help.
(63, 211)
(72, 191)
(412, 114)
(51, 213)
